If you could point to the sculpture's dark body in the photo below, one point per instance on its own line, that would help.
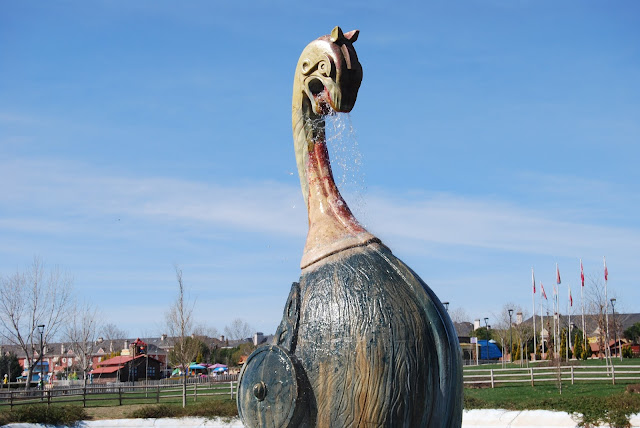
(373, 346)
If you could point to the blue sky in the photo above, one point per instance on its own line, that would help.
(488, 137)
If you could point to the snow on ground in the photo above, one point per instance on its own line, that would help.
(471, 418)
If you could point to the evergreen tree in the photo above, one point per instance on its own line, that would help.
(578, 344)
(515, 351)
(10, 366)
(563, 344)
(482, 333)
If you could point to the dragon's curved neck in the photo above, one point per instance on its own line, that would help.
(332, 226)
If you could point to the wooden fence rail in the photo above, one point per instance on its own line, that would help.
(533, 375)
(115, 392)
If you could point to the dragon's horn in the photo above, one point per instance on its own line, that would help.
(352, 35)
(337, 35)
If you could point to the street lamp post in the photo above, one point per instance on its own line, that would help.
(486, 326)
(446, 306)
(510, 337)
(40, 381)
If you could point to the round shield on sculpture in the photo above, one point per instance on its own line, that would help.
(268, 389)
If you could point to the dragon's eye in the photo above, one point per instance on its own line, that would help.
(316, 86)
(324, 68)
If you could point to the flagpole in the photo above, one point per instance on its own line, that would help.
(569, 302)
(606, 306)
(541, 324)
(533, 300)
(555, 316)
(584, 328)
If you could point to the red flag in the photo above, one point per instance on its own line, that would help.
(543, 293)
(606, 272)
(581, 273)
(533, 281)
(570, 298)
(558, 275)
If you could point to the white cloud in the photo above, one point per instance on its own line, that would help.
(453, 220)
(41, 195)
(55, 190)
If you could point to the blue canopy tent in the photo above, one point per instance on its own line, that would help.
(493, 352)
(42, 367)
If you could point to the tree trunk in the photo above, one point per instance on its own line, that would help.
(30, 372)
(29, 377)
(184, 390)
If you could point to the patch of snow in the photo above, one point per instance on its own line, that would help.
(471, 418)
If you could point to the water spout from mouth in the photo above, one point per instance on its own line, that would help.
(347, 162)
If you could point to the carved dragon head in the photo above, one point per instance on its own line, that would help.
(329, 73)
(327, 78)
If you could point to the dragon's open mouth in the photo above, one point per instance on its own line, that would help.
(321, 98)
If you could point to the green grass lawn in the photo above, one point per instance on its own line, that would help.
(521, 397)
(592, 402)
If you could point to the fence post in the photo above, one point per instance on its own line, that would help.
(491, 372)
(84, 396)
(571, 375)
(195, 392)
(10, 399)
(613, 374)
(531, 371)
(158, 394)
(119, 395)
(48, 397)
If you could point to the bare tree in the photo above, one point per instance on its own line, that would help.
(83, 324)
(205, 330)
(596, 305)
(111, 331)
(523, 332)
(29, 299)
(180, 326)
(238, 329)
(459, 315)
(500, 328)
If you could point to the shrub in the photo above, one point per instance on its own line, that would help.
(633, 388)
(614, 411)
(158, 411)
(207, 409)
(627, 352)
(215, 408)
(41, 414)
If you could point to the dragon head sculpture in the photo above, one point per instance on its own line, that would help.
(327, 79)
(329, 73)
